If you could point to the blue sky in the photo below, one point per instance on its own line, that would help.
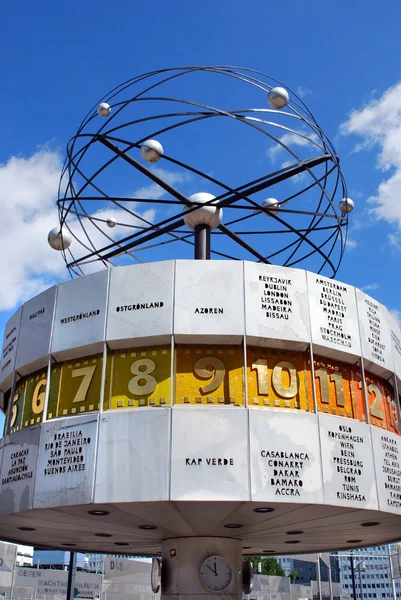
(58, 59)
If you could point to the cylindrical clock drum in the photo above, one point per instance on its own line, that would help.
(206, 408)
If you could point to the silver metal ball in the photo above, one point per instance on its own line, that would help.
(278, 97)
(205, 215)
(59, 240)
(111, 222)
(346, 205)
(104, 109)
(151, 151)
(272, 205)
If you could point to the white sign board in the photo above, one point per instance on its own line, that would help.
(209, 301)
(209, 454)
(117, 568)
(17, 479)
(8, 554)
(79, 321)
(9, 351)
(127, 579)
(132, 466)
(285, 457)
(52, 581)
(66, 462)
(347, 461)
(36, 325)
(375, 334)
(276, 307)
(140, 305)
(334, 318)
(387, 453)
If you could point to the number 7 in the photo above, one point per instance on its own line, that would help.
(87, 373)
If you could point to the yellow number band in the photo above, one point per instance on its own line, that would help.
(148, 377)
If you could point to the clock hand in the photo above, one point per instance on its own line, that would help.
(212, 570)
(215, 567)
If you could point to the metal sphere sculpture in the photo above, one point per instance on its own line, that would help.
(167, 140)
(206, 215)
(59, 239)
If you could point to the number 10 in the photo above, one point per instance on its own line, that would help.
(262, 371)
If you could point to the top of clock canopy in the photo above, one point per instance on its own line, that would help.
(232, 139)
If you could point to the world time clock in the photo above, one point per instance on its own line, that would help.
(215, 573)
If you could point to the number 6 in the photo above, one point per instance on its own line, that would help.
(14, 411)
(38, 398)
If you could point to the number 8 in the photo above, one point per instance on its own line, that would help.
(150, 382)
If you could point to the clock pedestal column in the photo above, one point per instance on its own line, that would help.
(186, 572)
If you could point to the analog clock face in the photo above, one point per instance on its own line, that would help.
(215, 573)
(156, 575)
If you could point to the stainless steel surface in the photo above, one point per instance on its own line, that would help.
(182, 470)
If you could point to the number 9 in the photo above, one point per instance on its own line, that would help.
(218, 372)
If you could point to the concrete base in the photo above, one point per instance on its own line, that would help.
(182, 559)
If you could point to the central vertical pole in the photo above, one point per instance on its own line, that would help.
(184, 577)
(72, 569)
(202, 242)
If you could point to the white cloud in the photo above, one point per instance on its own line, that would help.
(351, 244)
(396, 314)
(394, 240)
(27, 199)
(295, 179)
(303, 91)
(291, 140)
(370, 287)
(379, 125)
(154, 191)
(28, 190)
